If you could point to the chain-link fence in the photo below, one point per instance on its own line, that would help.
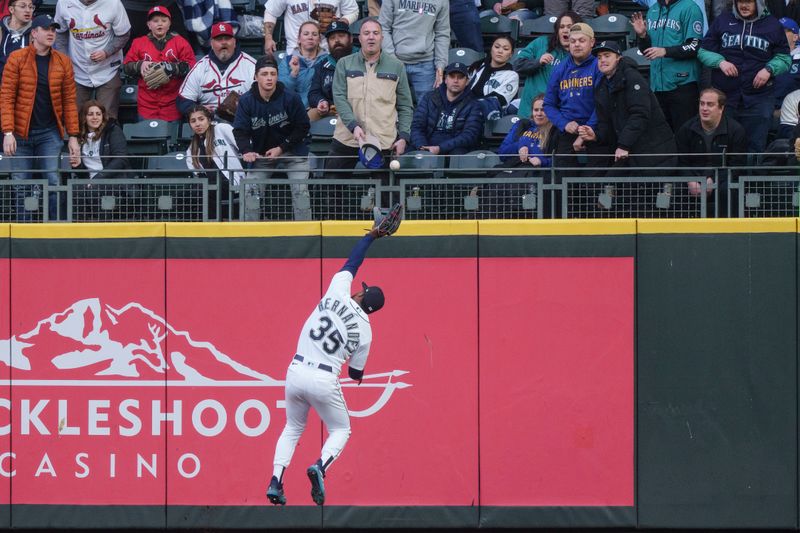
(472, 198)
(643, 197)
(473, 188)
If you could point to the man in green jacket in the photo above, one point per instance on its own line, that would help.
(670, 38)
(372, 97)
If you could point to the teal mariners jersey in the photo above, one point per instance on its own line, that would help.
(677, 27)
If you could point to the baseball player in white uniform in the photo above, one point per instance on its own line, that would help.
(336, 332)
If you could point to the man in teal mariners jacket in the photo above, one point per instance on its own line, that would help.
(670, 38)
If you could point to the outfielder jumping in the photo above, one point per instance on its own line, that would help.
(337, 330)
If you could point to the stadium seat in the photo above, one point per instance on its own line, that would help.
(185, 135)
(171, 165)
(612, 27)
(533, 28)
(128, 111)
(475, 162)
(492, 27)
(464, 55)
(321, 133)
(420, 163)
(148, 137)
(499, 128)
(625, 7)
(642, 63)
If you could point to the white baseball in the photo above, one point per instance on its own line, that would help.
(394, 165)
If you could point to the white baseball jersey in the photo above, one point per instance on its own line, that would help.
(207, 86)
(338, 329)
(296, 12)
(90, 29)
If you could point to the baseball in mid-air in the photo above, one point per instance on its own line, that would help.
(394, 165)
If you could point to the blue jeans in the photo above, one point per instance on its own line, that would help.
(756, 120)
(38, 152)
(421, 77)
(466, 24)
(490, 105)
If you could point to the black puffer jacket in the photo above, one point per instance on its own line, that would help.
(113, 152)
(629, 117)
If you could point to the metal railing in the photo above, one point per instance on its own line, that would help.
(431, 193)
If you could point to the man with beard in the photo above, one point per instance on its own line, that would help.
(320, 96)
(224, 70)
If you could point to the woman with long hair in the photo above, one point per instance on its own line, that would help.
(530, 141)
(536, 61)
(213, 151)
(297, 69)
(493, 80)
(103, 145)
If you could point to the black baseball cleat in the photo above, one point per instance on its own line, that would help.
(316, 475)
(275, 492)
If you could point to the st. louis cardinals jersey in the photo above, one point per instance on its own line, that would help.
(207, 86)
(338, 329)
(91, 28)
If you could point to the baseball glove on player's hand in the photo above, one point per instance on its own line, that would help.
(387, 225)
(157, 76)
(227, 109)
(324, 14)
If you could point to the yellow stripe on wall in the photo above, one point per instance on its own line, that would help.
(243, 229)
(719, 225)
(409, 228)
(557, 227)
(5, 231)
(88, 231)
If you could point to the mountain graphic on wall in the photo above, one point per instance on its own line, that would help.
(92, 340)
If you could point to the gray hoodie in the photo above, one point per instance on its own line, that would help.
(416, 30)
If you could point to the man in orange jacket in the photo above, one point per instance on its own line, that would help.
(37, 107)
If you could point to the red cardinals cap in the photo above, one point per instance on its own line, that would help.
(159, 10)
(222, 28)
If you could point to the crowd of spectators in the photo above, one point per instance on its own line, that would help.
(710, 80)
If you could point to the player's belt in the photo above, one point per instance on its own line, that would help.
(321, 366)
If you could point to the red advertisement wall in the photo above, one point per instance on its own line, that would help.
(152, 381)
(556, 381)
(84, 366)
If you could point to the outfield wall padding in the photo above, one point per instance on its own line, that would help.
(548, 374)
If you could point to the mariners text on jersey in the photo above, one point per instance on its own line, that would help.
(572, 83)
(340, 308)
(669, 23)
(421, 7)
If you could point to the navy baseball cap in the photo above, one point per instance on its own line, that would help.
(369, 152)
(609, 46)
(267, 60)
(44, 21)
(790, 25)
(457, 67)
(373, 298)
(337, 25)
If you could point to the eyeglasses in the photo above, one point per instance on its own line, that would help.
(24, 6)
